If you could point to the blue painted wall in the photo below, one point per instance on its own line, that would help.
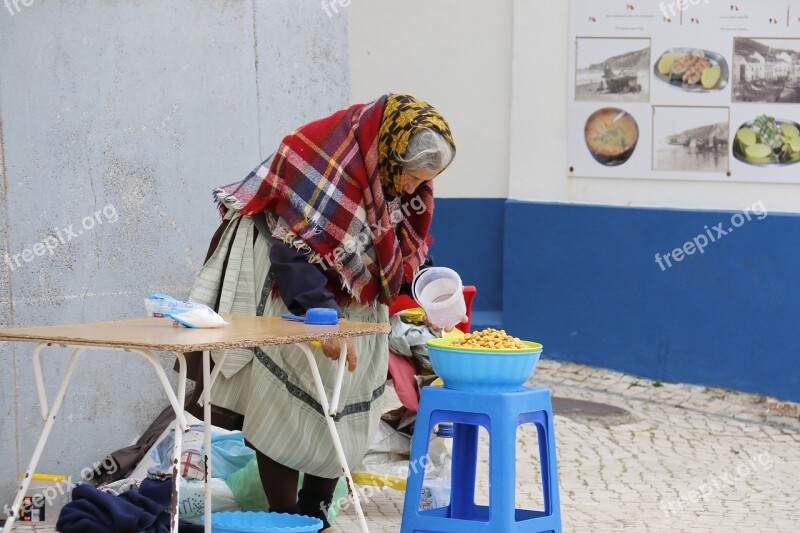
(468, 237)
(583, 280)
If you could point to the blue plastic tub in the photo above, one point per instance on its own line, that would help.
(252, 522)
(478, 370)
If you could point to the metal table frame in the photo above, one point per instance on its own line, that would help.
(177, 401)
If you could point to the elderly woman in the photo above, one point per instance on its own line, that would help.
(338, 217)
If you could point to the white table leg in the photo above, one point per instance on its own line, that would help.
(178, 403)
(37, 371)
(337, 389)
(48, 425)
(205, 400)
(181, 396)
(177, 449)
(214, 374)
(337, 443)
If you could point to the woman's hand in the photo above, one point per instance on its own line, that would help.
(438, 329)
(332, 348)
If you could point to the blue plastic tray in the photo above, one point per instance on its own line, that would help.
(252, 522)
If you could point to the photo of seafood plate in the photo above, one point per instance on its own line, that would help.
(767, 141)
(692, 70)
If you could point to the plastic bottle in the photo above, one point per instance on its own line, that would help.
(436, 487)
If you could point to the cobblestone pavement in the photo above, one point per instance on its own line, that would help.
(685, 458)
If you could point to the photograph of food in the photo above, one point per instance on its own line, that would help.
(690, 139)
(693, 70)
(612, 70)
(766, 70)
(611, 135)
(768, 141)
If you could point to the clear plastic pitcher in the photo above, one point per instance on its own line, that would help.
(440, 292)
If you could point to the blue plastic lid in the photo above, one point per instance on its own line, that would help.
(445, 431)
(320, 316)
(316, 316)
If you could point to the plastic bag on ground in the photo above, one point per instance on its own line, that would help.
(246, 487)
(228, 454)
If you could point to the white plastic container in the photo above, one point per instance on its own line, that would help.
(47, 494)
(440, 292)
(436, 485)
(435, 494)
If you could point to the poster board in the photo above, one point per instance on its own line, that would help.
(661, 90)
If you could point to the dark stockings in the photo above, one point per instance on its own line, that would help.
(280, 486)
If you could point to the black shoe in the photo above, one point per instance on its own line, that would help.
(315, 504)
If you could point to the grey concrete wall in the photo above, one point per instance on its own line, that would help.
(139, 108)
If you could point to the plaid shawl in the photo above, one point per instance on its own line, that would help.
(323, 195)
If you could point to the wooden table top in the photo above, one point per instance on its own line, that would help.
(159, 334)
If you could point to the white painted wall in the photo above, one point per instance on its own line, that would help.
(455, 54)
(538, 168)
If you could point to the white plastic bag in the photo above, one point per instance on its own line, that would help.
(189, 314)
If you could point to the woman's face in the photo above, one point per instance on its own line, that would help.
(412, 180)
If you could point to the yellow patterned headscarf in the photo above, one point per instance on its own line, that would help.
(403, 116)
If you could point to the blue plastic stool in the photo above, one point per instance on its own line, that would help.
(500, 414)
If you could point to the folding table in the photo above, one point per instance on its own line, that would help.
(144, 336)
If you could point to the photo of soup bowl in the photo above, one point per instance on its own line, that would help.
(611, 135)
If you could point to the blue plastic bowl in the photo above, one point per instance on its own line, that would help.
(252, 522)
(479, 370)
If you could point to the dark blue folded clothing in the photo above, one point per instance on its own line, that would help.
(94, 511)
(160, 491)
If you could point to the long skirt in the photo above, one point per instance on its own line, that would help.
(273, 387)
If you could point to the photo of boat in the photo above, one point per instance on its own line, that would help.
(612, 70)
(690, 139)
